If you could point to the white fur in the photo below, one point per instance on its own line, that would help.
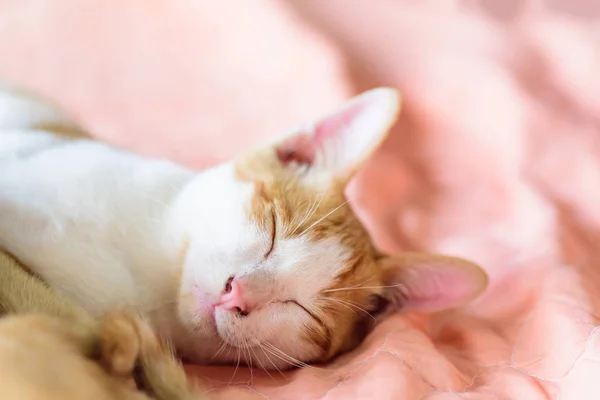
(89, 220)
(224, 241)
(106, 227)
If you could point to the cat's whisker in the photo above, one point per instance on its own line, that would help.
(321, 198)
(262, 348)
(229, 350)
(352, 304)
(314, 206)
(359, 306)
(236, 367)
(219, 351)
(362, 287)
(302, 220)
(274, 354)
(258, 360)
(282, 356)
(293, 360)
(340, 303)
(311, 210)
(248, 360)
(299, 224)
(358, 285)
(323, 217)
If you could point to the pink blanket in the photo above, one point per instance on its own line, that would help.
(496, 158)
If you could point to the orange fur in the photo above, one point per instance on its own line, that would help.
(279, 189)
(51, 348)
(44, 357)
(41, 358)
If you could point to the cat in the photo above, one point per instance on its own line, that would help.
(260, 260)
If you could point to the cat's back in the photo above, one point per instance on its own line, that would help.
(46, 158)
(27, 122)
(77, 210)
(36, 135)
(45, 154)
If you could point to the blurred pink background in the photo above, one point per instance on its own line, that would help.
(496, 156)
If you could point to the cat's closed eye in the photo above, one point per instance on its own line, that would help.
(273, 233)
(294, 302)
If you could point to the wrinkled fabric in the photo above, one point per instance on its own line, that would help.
(496, 158)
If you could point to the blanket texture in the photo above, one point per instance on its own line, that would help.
(495, 158)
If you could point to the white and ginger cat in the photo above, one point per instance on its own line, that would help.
(259, 260)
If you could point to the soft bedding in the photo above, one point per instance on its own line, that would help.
(496, 158)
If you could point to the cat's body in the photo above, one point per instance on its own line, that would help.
(77, 209)
(77, 193)
(258, 259)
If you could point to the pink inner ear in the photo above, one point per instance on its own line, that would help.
(302, 148)
(299, 148)
(333, 125)
(437, 287)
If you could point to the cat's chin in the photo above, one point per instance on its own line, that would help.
(210, 349)
(218, 352)
(200, 341)
(202, 344)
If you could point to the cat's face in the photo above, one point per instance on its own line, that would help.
(277, 268)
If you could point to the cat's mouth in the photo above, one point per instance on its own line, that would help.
(230, 335)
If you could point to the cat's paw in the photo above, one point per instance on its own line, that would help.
(121, 339)
(129, 349)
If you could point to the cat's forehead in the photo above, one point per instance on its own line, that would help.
(302, 209)
(306, 213)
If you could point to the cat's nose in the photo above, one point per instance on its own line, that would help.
(232, 299)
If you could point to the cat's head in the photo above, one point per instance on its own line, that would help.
(278, 268)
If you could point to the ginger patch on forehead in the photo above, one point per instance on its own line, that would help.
(301, 210)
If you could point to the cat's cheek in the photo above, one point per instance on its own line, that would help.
(202, 302)
(194, 318)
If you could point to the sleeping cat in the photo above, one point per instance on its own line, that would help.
(259, 260)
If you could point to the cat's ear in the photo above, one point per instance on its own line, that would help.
(431, 282)
(337, 144)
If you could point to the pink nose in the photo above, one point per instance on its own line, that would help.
(232, 299)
